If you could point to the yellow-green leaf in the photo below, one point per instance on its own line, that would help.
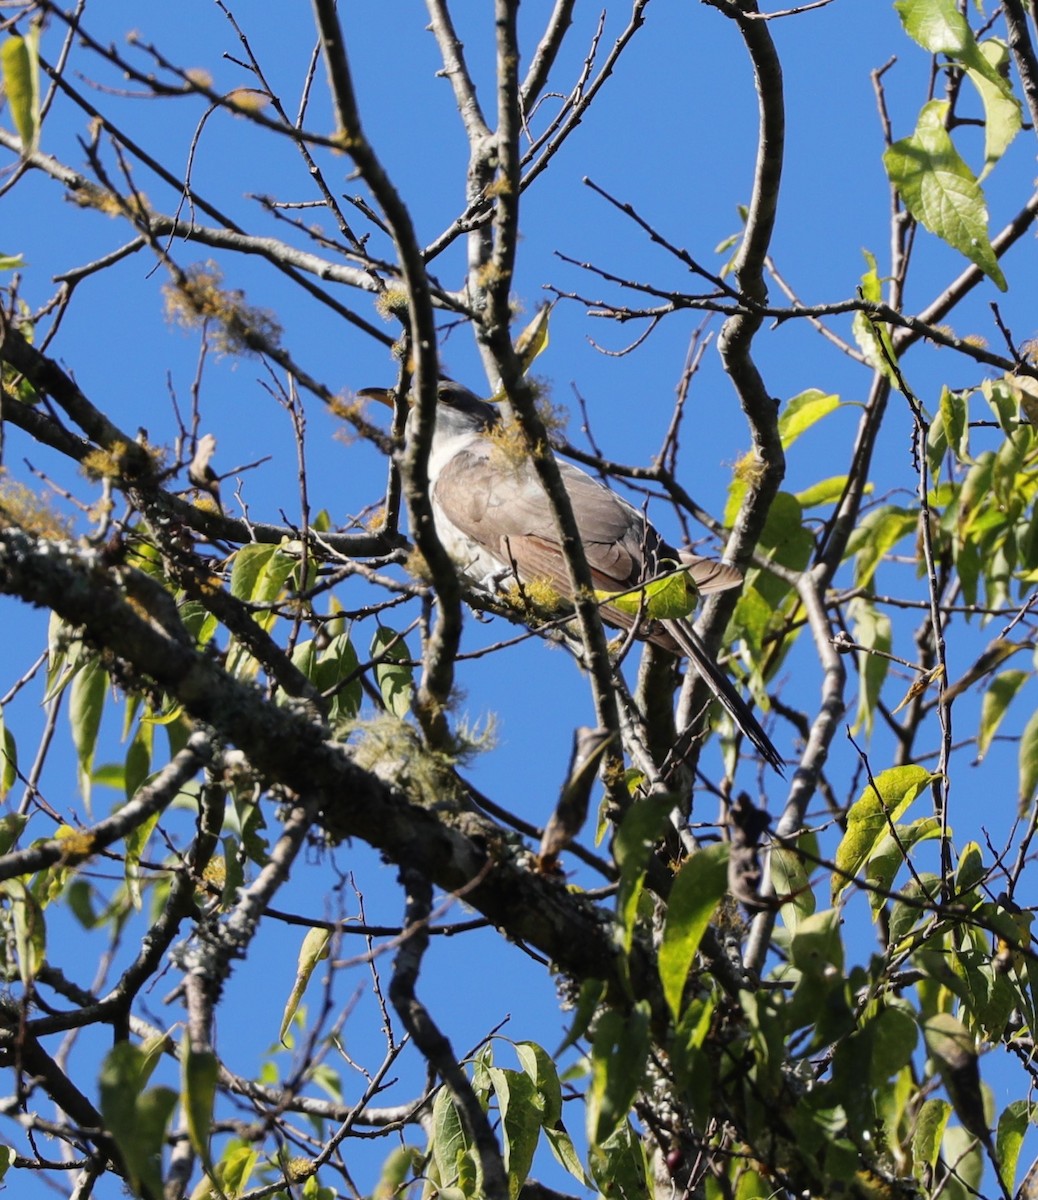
(871, 817)
(1028, 763)
(533, 339)
(313, 950)
(802, 412)
(666, 599)
(19, 60)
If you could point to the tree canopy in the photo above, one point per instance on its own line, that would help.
(330, 869)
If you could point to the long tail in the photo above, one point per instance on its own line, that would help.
(721, 686)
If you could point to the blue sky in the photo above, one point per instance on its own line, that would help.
(673, 134)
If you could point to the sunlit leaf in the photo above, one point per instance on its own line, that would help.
(871, 817)
(665, 599)
(825, 491)
(803, 411)
(313, 951)
(19, 60)
(940, 190)
(533, 339)
(889, 857)
(539, 1065)
(875, 535)
(1003, 118)
(872, 336)
(395, 1171)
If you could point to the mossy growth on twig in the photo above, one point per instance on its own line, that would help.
(197, 298)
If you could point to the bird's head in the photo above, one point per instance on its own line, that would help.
(458, 410)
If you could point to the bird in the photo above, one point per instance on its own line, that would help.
(495, 521)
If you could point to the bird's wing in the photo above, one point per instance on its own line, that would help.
(502, 507)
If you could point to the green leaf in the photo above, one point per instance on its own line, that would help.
(889, 856)
(338, 662)
(249, 564)
(970, 870)
(997, 698)
(136, 1122)
(873, 630)
(136, 844)
(1012, 1125)
(792, 886)
(11, 828)
(235, 1167)
(619, 1051)
(954, 1052)
(533, 339)
(19, 60)
(619, 1167)
(906, 915)
(825, 491)
(816, 945)
(877, 533)
(669, 598)
(955, 415)
(1028, 762)
(313, 951)
(694, 895)
(940, 190)
(928, 1133)
(893, 1035)
(449, 1142)
(199, 1074)
(539, 1065)
(1003, 119)
(871, 817)
(30, 930)
(641, 827)
(940, 28)
(872, 336)
(802, 412)
(8, 758)
(395, 1171)
(520, 1123)
(566, 1153)
(588, 1000)
(393, 673)
(89, 688)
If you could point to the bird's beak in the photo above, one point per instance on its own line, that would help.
(386, 396)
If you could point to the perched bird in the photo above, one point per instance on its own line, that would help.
(494, 519)
(200, 472)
